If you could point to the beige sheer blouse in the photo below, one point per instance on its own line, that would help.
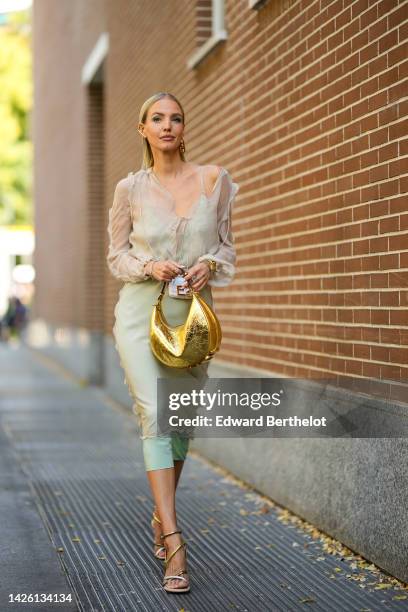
(144, 226)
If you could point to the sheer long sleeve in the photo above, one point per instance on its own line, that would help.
(224, 252)
(124, 264)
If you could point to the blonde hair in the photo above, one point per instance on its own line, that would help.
(147, 160)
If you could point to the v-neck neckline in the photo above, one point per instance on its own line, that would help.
(193, 207)
(202, 194)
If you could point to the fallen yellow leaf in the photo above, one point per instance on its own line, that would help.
(307, 600)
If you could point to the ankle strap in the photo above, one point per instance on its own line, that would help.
(169, 534)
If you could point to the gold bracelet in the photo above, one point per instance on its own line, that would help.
(149, 274)
(212, 265)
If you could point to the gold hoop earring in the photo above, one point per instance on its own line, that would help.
(182, 146)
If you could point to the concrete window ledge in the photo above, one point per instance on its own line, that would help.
(206, 49)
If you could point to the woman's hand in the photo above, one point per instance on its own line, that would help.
(199, 275)
(164, 270)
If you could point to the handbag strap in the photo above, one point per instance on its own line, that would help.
(160, 296)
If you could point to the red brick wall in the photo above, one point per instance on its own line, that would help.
(306, 106)
(203, 21)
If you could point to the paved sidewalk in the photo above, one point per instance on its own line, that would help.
(76, 508)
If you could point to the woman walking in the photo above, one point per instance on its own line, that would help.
(171, 218)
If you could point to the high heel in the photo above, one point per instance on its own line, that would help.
(160, 546)
(179, 574)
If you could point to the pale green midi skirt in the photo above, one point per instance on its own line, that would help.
(131, 332)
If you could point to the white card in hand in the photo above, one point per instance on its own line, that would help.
(177, 290)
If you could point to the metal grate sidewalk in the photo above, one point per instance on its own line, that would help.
(82, 458)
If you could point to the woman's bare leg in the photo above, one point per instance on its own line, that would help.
(163, 485)
(178, 468)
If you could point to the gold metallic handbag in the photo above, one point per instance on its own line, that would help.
(188, 344)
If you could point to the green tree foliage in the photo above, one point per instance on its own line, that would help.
(15, 108)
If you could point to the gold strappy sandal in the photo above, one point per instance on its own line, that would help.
(159, 545)
(178, 575)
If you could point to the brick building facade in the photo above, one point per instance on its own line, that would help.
(304, 102)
